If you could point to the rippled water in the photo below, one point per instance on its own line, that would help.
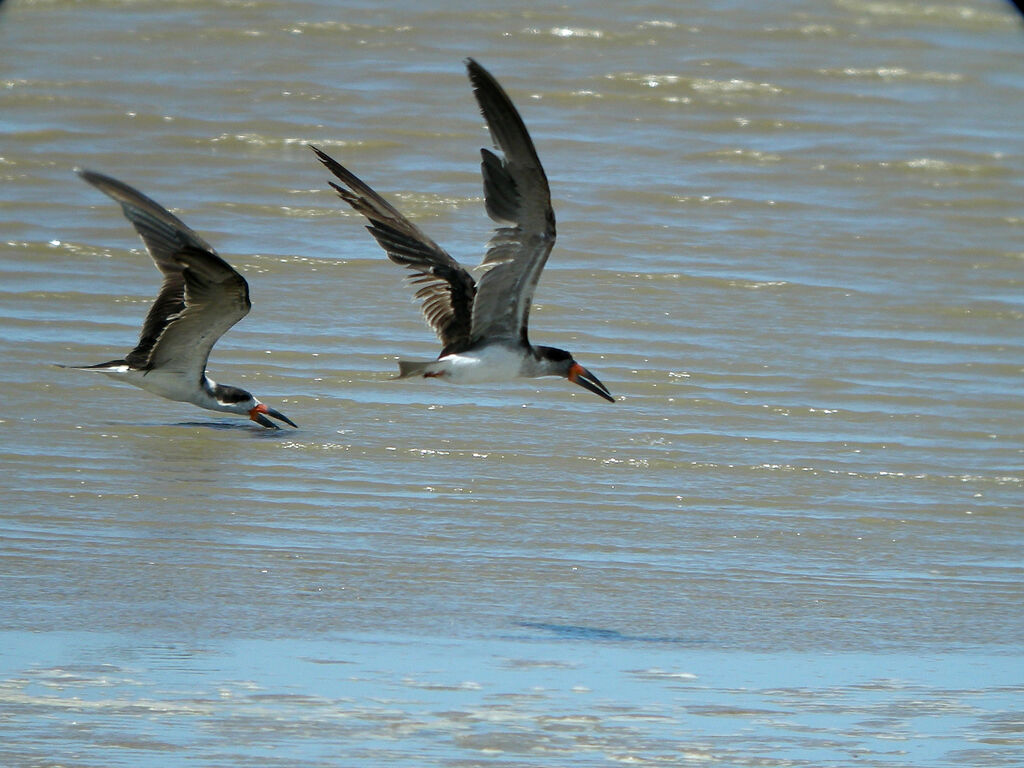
(789, 242)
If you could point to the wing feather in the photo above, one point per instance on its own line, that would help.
(201, 295)
(518, 199)
(446, 290)
(216, 297)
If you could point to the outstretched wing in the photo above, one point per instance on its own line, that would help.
(519, 200)
(201, 295)
(445, 288)
(216, 297)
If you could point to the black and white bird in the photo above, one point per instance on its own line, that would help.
(201, 297)
(482, 325)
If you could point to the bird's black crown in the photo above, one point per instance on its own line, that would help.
(230, 395)
(553, 353)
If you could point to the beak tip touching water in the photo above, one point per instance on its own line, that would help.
(584, 378)
(256, 414)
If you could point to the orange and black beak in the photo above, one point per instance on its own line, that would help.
(256, 414)
(580, 375)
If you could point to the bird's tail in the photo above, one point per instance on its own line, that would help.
(408, 369)
(117, 366)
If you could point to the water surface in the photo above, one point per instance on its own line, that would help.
(789, 243)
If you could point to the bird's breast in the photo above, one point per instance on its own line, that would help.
(494, 362)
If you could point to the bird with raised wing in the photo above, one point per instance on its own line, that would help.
(201, 297)
(482, 325)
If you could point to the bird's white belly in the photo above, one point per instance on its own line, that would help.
(490, 364)
(172, 386)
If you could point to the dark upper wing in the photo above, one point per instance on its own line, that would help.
(216, 297)
(446, 289)
(188, 296)
(518, 198)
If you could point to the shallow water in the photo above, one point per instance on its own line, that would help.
(789, 242)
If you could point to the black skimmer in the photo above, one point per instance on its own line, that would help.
(482, 325)
(200, 298)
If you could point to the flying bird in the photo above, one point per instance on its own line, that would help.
(201, 297)
(482, 325)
